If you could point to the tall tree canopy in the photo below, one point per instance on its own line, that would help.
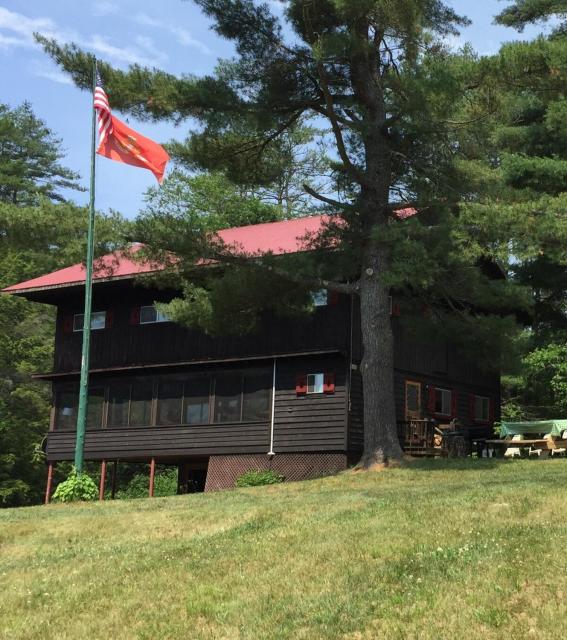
(377, 80)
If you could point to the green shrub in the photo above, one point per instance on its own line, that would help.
(165, 484)
(258, 478)
(77, 487)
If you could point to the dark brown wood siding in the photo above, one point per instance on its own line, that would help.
(125, 344)
(313, 422)
(145, 442)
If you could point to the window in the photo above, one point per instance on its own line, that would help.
(170, 397)
(481, 409)
(130, 404)
(95, 408)
(413, 399)
(175, 400)
(98, 320)
(196, 400)
(228, 398)
(149, 314)
(66, 415)
(315, 382)
(319, 298)
(256, 397)
(443, 401)
(118, 405)
(141, 403)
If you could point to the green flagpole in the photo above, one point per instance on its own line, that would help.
(84, 384)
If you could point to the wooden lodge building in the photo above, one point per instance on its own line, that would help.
(288, 397)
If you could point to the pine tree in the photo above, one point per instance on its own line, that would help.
(29, 159)
(378, 76)
(520, 210)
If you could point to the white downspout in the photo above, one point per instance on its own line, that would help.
(271, 451)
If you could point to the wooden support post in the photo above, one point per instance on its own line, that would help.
(152, 476)
(182, 478)
(102, 483)
(49, 483)
(114, 474)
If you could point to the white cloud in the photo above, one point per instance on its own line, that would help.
(148, 45)
(51, 74)
(16, 30)
(23, 27)
(126, 55)
(183, 36)
(8, 42)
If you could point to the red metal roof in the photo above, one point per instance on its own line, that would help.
(287, 236)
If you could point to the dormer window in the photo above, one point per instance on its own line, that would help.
(149, 315)
(98, 321)
(320, 298)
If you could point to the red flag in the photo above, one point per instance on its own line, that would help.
(118, 142)
(126, 145)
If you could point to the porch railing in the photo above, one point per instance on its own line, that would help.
(416, 435)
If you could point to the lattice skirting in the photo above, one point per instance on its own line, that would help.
(224, 470)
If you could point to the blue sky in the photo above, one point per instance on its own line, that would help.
(171, 34)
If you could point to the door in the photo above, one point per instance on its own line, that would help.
(413, 400)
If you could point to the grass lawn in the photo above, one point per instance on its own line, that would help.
(440, 549)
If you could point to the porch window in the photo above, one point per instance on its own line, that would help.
(95, 408)
(170, 397)
(130, 404)
(256, 397)
(66, 416)
(98, 321)
(315, 382)
(196, 400)
(118, 405)
(141, 403)
(481, 408)
(149, 315)
(442, 401)
(228, 398)
(243, 397)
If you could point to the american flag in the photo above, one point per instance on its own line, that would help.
(104, 115)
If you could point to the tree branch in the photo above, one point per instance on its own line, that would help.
(325, 199)
(354, 171)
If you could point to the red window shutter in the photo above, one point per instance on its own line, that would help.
(471, 407)
(135, 315)
(109, 320)
(301, 384)
(332, 298)
(454, 404)
(67, 324)
(431, 399)
(329, 383)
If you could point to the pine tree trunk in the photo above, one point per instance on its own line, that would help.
(381, 444)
